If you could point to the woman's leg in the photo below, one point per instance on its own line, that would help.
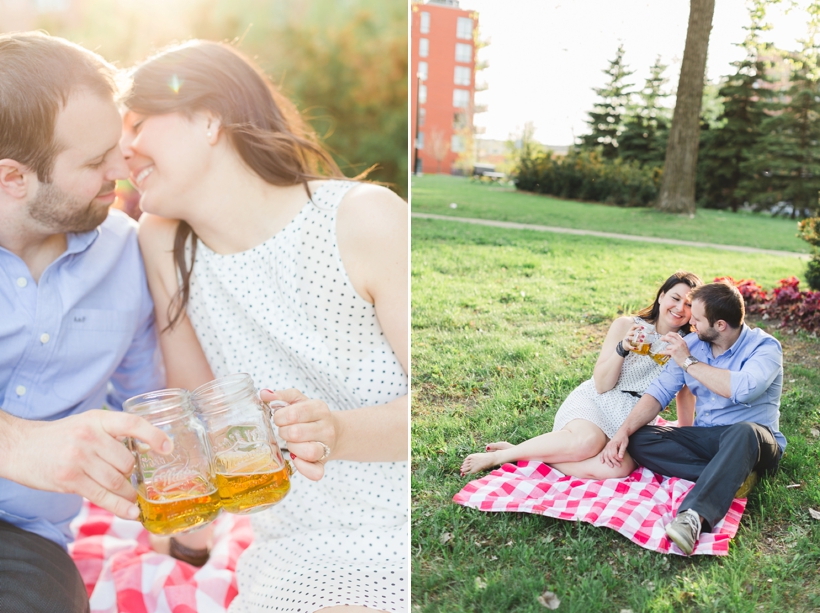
(580, 439)
(498, 445)
(593, 468)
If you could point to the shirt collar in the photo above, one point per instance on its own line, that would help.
(75, 242)
(79, 242)
(744, 330)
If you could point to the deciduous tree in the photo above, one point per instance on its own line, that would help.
(678, 187)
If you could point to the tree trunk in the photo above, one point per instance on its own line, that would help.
(678, 186)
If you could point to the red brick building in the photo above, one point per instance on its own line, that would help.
(442, 69)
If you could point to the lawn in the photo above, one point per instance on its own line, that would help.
(505, 324)
(436, 193)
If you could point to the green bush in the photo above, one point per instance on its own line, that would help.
(587, 175)
(809, 230)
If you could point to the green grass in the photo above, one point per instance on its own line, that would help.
(505, 324)
(435, 193)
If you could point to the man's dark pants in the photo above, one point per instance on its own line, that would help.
(37, 575)
(718, 458)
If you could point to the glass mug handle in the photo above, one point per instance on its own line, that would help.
(273, 405)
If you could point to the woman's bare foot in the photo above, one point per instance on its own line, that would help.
(476, 462)
(499, 446)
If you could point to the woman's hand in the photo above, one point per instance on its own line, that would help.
(308, 426)
(630, 341)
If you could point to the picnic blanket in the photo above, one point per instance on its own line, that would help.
(124, 575)
(638, 507)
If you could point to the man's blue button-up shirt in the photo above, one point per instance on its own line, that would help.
(81, 338)
(755, 363)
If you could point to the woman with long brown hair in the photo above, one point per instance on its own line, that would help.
(262, 258)
(594, 411)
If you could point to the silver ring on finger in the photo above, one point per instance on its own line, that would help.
(325, 453)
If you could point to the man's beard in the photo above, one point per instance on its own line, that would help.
(61, 212)
(709, 336)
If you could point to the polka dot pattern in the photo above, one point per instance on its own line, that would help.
(286, 313)
(609, 410)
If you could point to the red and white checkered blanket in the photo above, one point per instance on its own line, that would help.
(639, 507)
(124, 575)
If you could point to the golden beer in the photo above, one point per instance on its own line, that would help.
(247, 493)
(642, 349)
(660, 359)
(251, 480)
(177, 511)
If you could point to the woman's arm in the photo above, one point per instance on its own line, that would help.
(185, 363)
(685, 403)
(372, 232)
(608, 367)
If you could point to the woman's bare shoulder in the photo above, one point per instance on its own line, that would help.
(157, 233)
(622, 325)
(373, 212)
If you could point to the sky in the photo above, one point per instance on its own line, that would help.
(546, 56)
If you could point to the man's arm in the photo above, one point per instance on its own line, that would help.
(642, 413)
(740, 386)
(81, 454)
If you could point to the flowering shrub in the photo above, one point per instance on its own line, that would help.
(794, 309)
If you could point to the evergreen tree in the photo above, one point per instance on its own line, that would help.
(784, 165)
(746, 97)
(607, 117)
(646, 128)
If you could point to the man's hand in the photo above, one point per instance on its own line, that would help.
(307, 425)
(676, 348)
(615, 449)
(81, 454)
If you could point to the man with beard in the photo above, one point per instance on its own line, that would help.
(736, 374)
(76, 319)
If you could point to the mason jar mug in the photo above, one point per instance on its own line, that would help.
(175, 492)
(251, 473)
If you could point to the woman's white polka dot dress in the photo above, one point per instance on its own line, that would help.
(610, 409)
(286, 312)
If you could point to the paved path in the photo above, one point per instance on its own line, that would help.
(629, 237)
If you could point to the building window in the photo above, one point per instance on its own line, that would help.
(422, 117)
(420, 141)
(464, 29)
(423, 70)
(463, 76)
(422, 93)
(459, 120)
(461, 98)
(464, 53)
(457, 144)
(425, 23)
(424, 47)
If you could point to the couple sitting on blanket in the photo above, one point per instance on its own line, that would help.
(605, 426)
(260, 258)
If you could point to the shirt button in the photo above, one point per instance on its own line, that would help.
(44, 338)
(21, 391)
(22, 282)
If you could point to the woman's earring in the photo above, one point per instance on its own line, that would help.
(209, 135)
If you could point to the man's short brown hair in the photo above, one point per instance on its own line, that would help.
(38, 73)
(721, 300)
